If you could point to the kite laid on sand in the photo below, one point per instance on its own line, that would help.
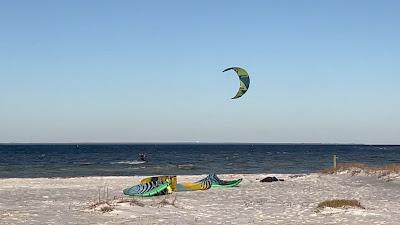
(162, 185)
(149, 189)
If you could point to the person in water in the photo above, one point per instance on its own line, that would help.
(142, 156)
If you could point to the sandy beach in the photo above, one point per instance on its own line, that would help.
(293, 201)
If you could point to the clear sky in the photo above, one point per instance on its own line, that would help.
(151, 71)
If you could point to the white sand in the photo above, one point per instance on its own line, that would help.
(293, 201)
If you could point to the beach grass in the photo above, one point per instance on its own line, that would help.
(340, 203)
(131, 201)
(107, 208)
(165, 202)
(102, 206)
(361, 167)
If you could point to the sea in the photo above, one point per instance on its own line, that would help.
(76, 160)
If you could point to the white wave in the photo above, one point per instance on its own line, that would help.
(134, 162)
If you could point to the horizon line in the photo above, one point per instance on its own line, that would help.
(189, 142)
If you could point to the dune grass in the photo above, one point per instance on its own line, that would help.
(340, 203)
(131, 201)
(107, 208)
(165, 202)
(355, 168)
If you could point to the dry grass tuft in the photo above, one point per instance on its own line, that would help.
(131, 201)
(165, 202)
(106, 208)
(96, 204)
(109, 205)
(345, 167)
(392, 168)
(102, 206)
(340, 203)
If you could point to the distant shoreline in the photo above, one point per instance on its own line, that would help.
(187, 143)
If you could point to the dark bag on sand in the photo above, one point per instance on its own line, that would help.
(271, 179)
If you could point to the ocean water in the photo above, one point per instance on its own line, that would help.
(70, 160)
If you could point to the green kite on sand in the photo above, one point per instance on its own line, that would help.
(217, 183)
(196, 186)
(153, 188)
(161, 185)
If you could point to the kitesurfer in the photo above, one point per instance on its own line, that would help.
(142, 157)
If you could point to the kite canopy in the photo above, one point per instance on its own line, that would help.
(244, 80)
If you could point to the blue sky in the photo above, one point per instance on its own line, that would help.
(151, 71)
